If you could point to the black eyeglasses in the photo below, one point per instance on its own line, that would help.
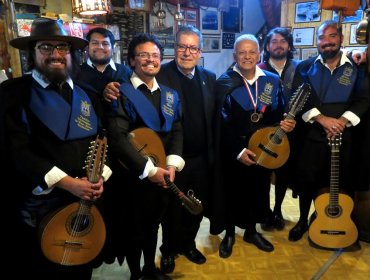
(146, 55)
(192, 49)
(47, 49)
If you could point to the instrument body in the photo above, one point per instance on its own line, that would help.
(333, 227)
(271, 144)
(75, 234)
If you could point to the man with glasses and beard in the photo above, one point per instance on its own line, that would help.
(49, 124)
(337, 102)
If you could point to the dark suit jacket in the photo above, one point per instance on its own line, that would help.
(168, 76)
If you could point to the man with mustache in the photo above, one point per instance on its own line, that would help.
(278, 59)
(338, 100)
(50, 122)
(145, 103)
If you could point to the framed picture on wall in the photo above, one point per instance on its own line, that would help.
(211, 44)
(309, 52)
(352, 35)
(191, 17)
(346, 19)
(303, 36)
(297, 54)
(210, 20)
(231, 20)
(307, 12)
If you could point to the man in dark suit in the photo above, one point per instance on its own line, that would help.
(195, 87)
(49, 124)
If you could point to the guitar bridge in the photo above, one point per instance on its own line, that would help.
(333, 232)
(267, 151)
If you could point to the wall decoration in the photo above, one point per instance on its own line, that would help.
(231, 21)
(228, 40)
(297, 54)
(234, 3)
(303, 36)
(346, 19)
(307, 12)
(211, 44)
(191, 17)
(352, 35)
(309, 52)
(210, 20)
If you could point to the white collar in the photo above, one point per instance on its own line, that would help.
(136, 82)
(111, 63)
(41, 79)
(257, 74)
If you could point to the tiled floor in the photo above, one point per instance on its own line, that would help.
(289, 261)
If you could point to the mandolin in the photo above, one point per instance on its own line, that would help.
(271, 144)
(148, 143)
(75, 234)
(333, 227)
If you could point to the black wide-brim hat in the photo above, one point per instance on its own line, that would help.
(45, 29)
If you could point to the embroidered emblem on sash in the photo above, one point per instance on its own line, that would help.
(265, 97)
(83, 120)
(345, 78)
(167, 108)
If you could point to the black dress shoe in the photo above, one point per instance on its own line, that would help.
(226, 246)
(258, 240)
(195, 256)
(167, 263)
(279, 222)
(298, 230)
(154, 274)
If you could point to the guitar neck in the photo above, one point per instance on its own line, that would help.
(334, 177)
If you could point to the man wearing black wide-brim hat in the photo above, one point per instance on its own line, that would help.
(49, 122)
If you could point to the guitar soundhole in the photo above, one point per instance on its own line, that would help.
(274, 140)
(79, 224)
(334, 211)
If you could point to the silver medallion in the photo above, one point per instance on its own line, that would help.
(255, 117)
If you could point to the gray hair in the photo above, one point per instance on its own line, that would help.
(246, 37)
(190, 30)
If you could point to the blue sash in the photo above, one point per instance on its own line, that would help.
(146, 110)
(65, 121)
(335, 88)
(268, 87)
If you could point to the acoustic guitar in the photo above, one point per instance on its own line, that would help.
(333, 227)
(75, 234)
(149, 145)
(271, 144)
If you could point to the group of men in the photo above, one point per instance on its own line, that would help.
(204, 126)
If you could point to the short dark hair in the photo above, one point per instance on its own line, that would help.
(103, 31)
(189, 29)
(286, 34)
(329, 23)
(139, 39)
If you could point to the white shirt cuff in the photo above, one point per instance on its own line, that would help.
(240, 154)
(51, 178)
(352, 118)
(175, 161)
(307, 117)
(107, 172)
(149, 170)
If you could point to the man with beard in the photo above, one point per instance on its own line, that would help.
(100, 69)
(278, 59)
(145, 103)
(338, 100)
(49, 124)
